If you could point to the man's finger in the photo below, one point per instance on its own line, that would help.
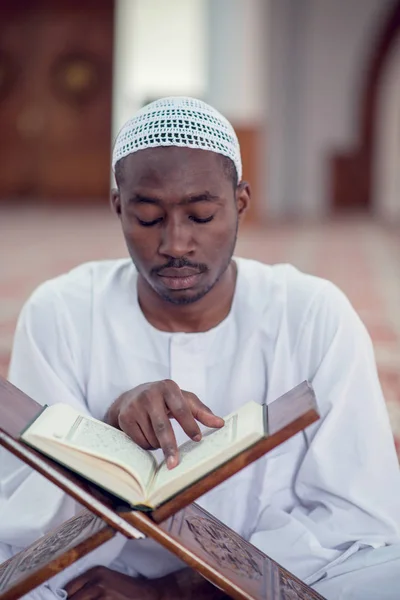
(90, 591)
(135, 432)
(165, 436)
(146, 428)
(76, 584)
(202, 413)
(178, 407)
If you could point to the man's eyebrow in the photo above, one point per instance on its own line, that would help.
(192, 199)
(204, 197)
(140, 199)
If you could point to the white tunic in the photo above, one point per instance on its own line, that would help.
(313, 504)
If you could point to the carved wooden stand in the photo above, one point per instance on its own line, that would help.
(200, 540)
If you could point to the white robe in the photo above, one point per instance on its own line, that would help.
(324, 504)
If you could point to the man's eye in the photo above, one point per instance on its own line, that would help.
(149, 223)
(198, 220)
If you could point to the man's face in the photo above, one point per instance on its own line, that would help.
(179, 213)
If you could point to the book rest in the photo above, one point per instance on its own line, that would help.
(201, 541)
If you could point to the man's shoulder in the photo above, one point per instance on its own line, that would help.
(282, 300)
(283, 280)
(284, 289)
(80, 283)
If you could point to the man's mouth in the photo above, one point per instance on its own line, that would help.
(180, 279)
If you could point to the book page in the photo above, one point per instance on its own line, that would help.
(191, 453)
(111, 444)
(241, 429)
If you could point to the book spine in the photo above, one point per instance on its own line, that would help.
(265, 418)
(33, 420)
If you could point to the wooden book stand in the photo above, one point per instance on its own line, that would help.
(204, 543)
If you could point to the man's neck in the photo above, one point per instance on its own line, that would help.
(198, 316)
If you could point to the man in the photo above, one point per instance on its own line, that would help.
(181, 334)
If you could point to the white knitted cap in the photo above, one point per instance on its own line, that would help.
(178, 121)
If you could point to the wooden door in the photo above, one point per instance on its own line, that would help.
(55, 99)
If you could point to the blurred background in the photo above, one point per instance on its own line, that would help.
(312, 88)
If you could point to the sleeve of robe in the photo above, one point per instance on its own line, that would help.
(44, 365)
(348, 483)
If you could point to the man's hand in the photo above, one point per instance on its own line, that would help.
(144, 414)
(101, 583)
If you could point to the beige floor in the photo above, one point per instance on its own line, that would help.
(360, 256)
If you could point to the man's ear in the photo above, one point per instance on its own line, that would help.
(243, 196)
(115, 201)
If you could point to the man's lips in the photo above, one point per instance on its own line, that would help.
(180, 272)
(180, 279)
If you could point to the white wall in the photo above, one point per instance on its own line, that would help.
(319, 50)
(286, 88)
(160, 50)
(386, 175)
(237, 59)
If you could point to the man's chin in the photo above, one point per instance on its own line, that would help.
(181, 297)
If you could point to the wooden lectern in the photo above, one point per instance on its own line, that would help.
(204, 543)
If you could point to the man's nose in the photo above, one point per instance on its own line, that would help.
(176, 239)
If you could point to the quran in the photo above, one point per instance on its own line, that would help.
(203, 542)
(107, 457)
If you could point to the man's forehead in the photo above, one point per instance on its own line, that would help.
(177, 176)
(172, 163)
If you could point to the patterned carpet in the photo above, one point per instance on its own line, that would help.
(361, 257)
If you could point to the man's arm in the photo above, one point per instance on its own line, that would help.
(101, 582)
(348, 483)
(43, 366)
(190, 584)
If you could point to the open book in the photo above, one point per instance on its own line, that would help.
(196, 537)
(109, 458)
(186, 530)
